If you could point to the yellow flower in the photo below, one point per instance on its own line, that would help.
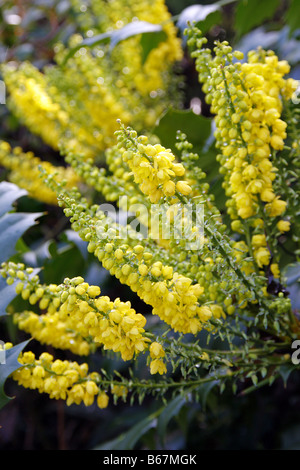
(102, 400)
(276, 207)
(156, 350)
(262, 256)
(283, 225)
(157, 366)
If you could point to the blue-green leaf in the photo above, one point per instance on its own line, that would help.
(7, 294)
(12, 227)
(9, 193)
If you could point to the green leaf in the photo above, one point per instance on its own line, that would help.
(171, 410)
(8, 365)
(150, 41)
(205, 16)
(196, 127)
(285, 370)
(204, 390)
(292, 17)
(251, 13)
(128, 440)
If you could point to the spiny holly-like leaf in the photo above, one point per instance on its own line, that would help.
(8, 364)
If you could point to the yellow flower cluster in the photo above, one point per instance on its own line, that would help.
(173, 296)
(247, 100)
(113, 324)
(151, 76)
(64, 380)
(24, 172)
(157, 354)
(154, 168)
(77, 317)
(78, 105)
(49, 328)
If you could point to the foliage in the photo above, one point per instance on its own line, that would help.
(195, 216)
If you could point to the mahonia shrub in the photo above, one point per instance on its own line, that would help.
(205, 275)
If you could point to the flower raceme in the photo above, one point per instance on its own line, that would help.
(153, 166)
(24, 171)
(247, 100)
(78, 105)
(77, 317)
(172, 295)
(59, 379)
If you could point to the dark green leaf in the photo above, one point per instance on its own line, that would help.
(204, 390)
(251, 13)
(285, 370)
(196, 127)
(292, 17)
(8, 365)
(150, 41)
(171, 410)
(128, 440)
